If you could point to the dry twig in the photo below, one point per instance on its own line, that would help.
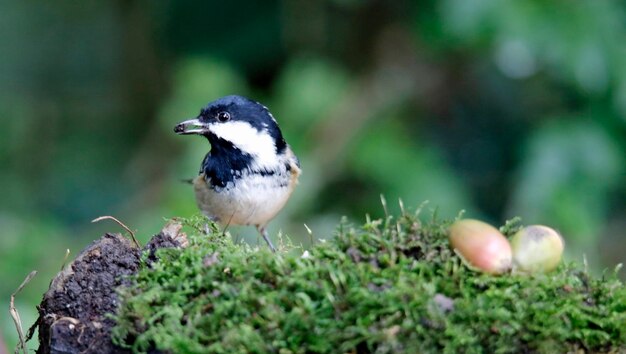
(132, 234)
(16, 316)
(67, 255)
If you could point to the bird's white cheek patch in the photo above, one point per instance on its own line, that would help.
(248, 139)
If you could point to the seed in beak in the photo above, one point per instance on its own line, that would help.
(179, 128)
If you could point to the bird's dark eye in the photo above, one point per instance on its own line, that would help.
(223, 117)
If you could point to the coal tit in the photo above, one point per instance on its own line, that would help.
(250, 171)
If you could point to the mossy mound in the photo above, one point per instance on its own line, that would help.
(391, 285)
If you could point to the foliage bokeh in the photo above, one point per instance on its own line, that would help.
(497, 108)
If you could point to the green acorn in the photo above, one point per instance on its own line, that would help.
(537, 248)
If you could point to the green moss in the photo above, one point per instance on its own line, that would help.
(391, 285)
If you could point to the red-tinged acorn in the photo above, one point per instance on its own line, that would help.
(482, 245)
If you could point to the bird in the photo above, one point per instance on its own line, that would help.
(250, 171)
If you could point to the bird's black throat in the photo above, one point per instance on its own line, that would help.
(224, 163)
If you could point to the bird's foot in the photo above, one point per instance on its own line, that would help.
(265, 235)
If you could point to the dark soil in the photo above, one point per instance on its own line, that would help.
(73, 313)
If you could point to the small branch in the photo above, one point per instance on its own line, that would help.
(383, 201)
(108, 217)
(310, 233)
(16, 316)
(67, 255)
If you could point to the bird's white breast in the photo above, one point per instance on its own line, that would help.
(253, 199)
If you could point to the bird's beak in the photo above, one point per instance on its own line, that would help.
(191, 126)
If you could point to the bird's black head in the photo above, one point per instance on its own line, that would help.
(240, 122)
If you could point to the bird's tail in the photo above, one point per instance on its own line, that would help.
(187, 180)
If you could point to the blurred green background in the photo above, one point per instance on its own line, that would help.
(500, 108)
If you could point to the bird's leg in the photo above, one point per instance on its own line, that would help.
(263, 233)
